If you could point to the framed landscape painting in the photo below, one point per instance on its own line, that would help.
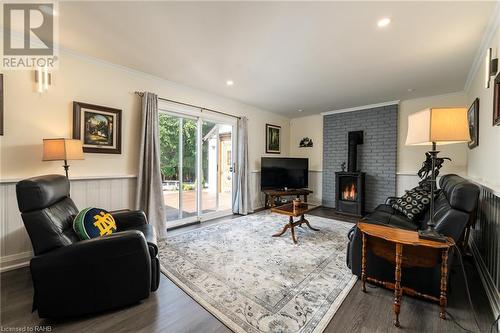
(473, 120)
(273, 139)
(98, 127)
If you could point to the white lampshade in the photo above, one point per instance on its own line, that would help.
(62, 149)
(439, 125)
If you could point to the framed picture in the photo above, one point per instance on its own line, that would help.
(473, 120)
(273, 139)
(1, 104)
(98, 127)
(496, 101)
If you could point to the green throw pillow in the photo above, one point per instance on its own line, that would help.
(93, 222)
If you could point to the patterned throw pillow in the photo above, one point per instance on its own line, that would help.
(414, 203)
(93, 222)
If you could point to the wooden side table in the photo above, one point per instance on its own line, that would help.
(388, 243)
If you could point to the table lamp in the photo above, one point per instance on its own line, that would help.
(62, 150)
(436, 126)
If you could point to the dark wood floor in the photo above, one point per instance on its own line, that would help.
(171, 310)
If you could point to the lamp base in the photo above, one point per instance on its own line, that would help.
(432, 234)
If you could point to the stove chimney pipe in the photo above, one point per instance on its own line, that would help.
(354, 139)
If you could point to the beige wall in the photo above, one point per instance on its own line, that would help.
(484, 160)
(410, 158)
(30, 117)
(311, 127)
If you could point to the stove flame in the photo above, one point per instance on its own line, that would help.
(349, 192)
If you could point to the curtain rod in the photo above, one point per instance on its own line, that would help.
(191, 105)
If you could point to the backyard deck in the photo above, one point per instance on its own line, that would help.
(208, 203)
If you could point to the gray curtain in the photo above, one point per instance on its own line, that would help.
(241, 204)
(149, 185)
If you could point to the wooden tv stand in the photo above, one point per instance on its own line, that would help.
(271, 195)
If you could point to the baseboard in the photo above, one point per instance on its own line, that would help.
(15, 261)
(491, 291)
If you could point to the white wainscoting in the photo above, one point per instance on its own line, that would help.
(110, 193)
(405, 181)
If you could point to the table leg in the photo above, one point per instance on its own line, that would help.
(293, 230)
(397, 286)
(305, 197)
(444, 281)
(303, 220)
(363, 263)
(285, 228)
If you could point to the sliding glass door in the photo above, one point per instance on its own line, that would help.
(217, 167)
(196, 156)
(178, 165)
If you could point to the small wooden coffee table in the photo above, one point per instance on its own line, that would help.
(292, 212)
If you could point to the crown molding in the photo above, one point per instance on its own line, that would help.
(362, 107)
(491, 28)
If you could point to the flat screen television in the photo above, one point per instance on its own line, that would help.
(281, 172)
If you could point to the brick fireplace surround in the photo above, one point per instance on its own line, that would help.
(376, 156)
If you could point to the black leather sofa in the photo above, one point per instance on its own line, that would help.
(73, 277)
(454, 206)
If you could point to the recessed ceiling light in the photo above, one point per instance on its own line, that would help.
(229, 82)
(383, 22)
(300, 110)
(410, 89)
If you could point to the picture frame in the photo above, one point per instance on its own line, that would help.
(99, 128)
(473, 122)
(496, 101)
(273, 139)
(1, 104)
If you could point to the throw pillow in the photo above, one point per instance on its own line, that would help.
(414, 203)
(93, 222)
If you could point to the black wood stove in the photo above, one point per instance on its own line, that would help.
(350, 185)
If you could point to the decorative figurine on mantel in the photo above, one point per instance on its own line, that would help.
(306, 143)
(342, 166)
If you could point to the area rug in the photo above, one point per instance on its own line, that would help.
(254, 282)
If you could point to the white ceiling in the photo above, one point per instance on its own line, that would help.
(284, 56)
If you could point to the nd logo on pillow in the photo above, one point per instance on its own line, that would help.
(93, 222)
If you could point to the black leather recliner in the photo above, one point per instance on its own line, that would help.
(73, 277)
(454, 207)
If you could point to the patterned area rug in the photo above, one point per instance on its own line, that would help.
(254, 282)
